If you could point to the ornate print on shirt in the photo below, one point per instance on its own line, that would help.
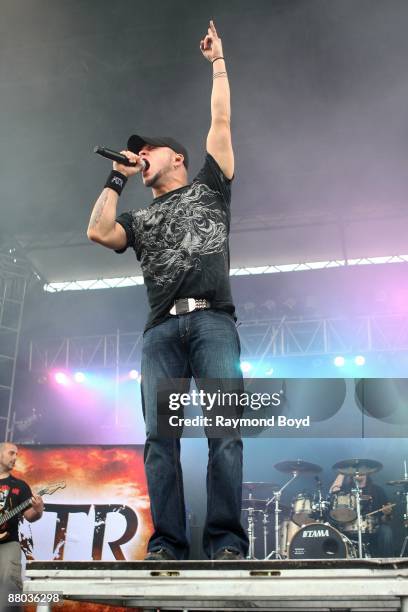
(181, 242)
(194, 227)
(4, 492)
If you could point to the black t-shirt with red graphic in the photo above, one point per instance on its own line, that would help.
(13, 492)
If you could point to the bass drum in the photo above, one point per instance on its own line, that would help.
(320, 541)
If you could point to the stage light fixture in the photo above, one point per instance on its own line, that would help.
(359, 360)
(339, 361)
(134, 375)
(246, 367)
(79, 377)
(61, 378)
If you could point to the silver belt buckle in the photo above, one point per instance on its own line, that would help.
(191, 305)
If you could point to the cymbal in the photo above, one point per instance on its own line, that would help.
(253, 503)
(403, 481)
(259, 485)
(297, 466)
(258, 510)
(284, 510)
(260, 505)
(350, 467)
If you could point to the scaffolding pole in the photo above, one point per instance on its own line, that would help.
(14, 278)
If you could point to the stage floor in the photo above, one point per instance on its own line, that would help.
(352, 585)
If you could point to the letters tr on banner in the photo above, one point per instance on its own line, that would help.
(102, 514)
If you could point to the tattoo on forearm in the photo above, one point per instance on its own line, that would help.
(98, 209)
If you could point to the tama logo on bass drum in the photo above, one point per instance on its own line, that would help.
(316, 533)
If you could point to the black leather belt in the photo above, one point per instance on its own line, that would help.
(185, 305)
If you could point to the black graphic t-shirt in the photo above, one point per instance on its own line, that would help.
(181, 241)
(13, 492)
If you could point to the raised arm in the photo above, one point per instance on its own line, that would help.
(219, 143)
(337, 483)
(102, 226)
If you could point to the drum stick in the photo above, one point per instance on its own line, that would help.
(381, 509)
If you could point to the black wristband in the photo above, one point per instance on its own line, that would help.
(217, 58)
(116, 181)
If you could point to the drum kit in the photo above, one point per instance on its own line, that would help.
(402, 491)
(314, 526)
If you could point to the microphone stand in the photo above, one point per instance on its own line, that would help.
(405, 494)
(320, 507)
(357, 490)
(276, 498)
(251, 532)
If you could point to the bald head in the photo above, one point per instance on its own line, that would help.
(8, 456)
(4, 445)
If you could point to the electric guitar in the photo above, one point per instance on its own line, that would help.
(9, 514)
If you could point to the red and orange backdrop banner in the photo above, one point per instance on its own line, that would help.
(103, 513)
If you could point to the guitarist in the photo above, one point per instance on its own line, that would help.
(12, 493)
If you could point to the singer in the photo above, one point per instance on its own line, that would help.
(181, 241)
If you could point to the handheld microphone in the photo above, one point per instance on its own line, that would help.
(119, 157)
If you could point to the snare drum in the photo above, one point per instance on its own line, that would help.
(343, 507)
(369, 525)
(302, 509)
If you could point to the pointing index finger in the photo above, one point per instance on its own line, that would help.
(212, 27)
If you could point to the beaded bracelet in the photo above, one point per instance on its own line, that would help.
(216, 75)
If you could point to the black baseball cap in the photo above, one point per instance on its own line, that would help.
(136, 143)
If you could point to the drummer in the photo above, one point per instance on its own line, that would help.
(373, 497)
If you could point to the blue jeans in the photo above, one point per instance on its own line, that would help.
(200, 344)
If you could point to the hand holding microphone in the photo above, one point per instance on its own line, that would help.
(125, 162)
(136, 164)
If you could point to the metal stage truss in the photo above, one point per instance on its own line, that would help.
(260, 339)
(15, 275)
(348, 585)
